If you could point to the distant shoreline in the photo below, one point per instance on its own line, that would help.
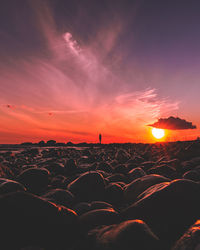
(83, 144)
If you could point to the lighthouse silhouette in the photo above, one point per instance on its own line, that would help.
(100, 138)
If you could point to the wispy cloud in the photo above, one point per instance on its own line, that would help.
(74, 86)
(129, 112)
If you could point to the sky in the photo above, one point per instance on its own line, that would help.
(70, 70)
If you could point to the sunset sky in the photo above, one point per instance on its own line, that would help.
(70, 70)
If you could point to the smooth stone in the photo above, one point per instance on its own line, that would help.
(5, 172)
(170, 210)
(55, 168)
(100, 205)
(121, 169)
(34, 179)
(155, 188)
(105, 167)
(128, 235)
(122, 156)
(114, 194)
(190, 240)
(136, 173)
(98, 217)
(89, 186)
(30, 220)
(147, 165)
(193, 175)
(9, 186)
(164, 170)
(138, 186)
(60, 197)
(116, 177)
(70, 167)
(82, 207)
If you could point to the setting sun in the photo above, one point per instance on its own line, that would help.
(158, 133)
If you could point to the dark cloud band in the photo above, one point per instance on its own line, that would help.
(173, 123)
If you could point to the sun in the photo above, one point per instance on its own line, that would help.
(158, 133)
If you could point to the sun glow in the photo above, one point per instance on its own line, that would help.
(158, 133)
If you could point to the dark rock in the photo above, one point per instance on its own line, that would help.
(190, 240)
(34, 179)
(121, 169)
(189, 152)
(70, 167)
(60, 197)
(155, 188)
(89, 186)
(98, 217)
(55, 168)
(30, 220)
(114, 194)
(113, 163)
(147, 165)
(136, 173)
(58, 182)
(128, 235)
(186, 166)
(193, 175)
(169, 211)
(116, 178)
(86, 160)
(100, 205)
(164, 170)
(195, 161)
(122, 156)
(105, 167)
(86, 152)
(103, 173)
(175, 163)
(5, 172)
(82, 207)
(138, 186)
(137, 159)
(9, 186)
(122, 184)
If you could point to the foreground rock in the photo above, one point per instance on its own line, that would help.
(98, 217)
(190, 240)
(8, 186)
(128, 235)
(5, 172)
(89, 186)
(60, 197)
(114, 194)
(34, 179)
(169, 210)
(29, 220)
(136, 187)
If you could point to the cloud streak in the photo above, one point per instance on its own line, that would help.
(72, 85)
